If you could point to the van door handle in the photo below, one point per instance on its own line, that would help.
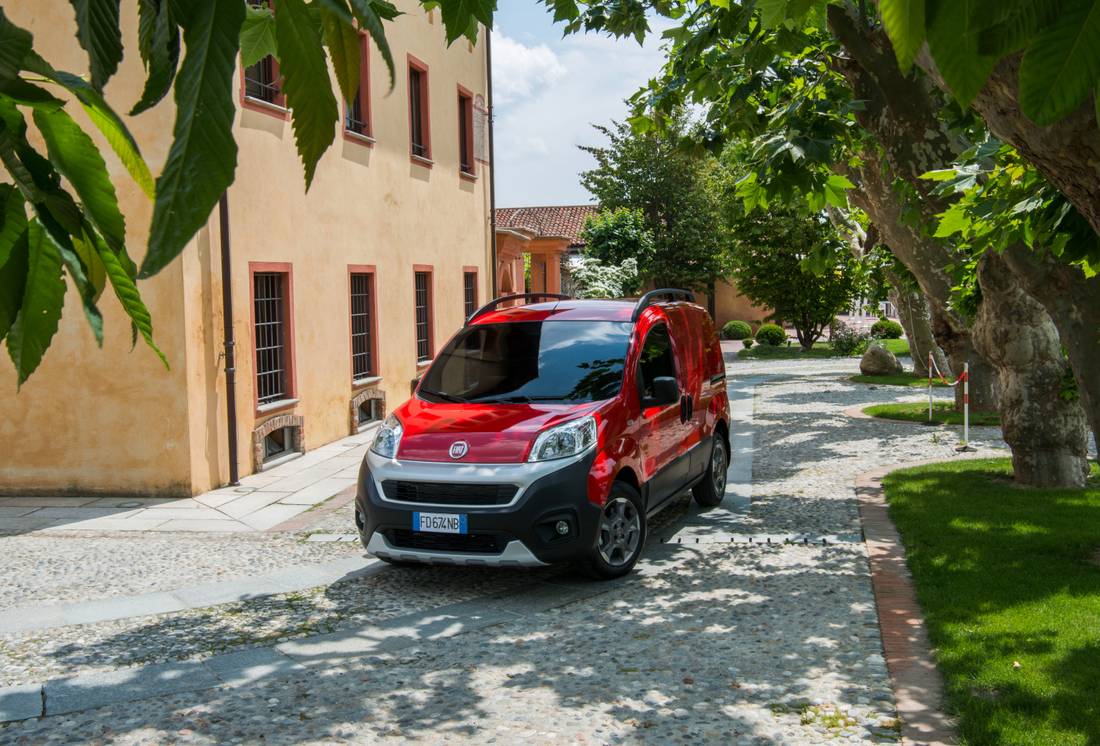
(686, 407)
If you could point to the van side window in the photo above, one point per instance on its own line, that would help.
(655, 360)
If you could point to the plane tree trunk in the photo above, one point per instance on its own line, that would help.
(1046, 431)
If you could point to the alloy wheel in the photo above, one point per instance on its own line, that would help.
(620, 532)
(718, 467)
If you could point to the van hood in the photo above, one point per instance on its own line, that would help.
(494, 433)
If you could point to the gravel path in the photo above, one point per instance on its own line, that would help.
(713, 642)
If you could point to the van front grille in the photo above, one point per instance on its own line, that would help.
(473, 543)
(449, 493)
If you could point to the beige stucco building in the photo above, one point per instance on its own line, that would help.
(338, 295)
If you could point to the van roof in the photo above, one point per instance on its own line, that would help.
(564, 310)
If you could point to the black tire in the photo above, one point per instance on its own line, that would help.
(620, 536)
(710, 491)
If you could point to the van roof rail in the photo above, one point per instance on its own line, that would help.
(508, 298)
(659, 295)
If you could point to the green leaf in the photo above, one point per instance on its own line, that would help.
(835, 190)
(904, 22)
(106, 121)
(461, 17)
(370, 18)
(159, 43)
(129, 297)
(98, 32)
(80, 270)
(258, 36)
(306, 84)
(13, 278)
(1008, 26)
(954, 46)
(40, 309)
(1062, 64)
(14, 216)
(772, 12)
(15, 43)
(74, 154)
(203, 156)
(342, 40)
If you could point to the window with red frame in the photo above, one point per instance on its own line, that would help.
(466, 133)
(363, 363)
(270, 317)
(469, 293)
(419, 133)
(423, 308)
(357, 113)
(261, 81)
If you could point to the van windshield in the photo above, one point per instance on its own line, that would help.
(529, 361)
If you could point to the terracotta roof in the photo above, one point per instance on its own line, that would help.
(565, 221)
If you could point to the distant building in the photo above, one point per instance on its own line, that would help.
(340, 296)
(547, 234)
(552, 235)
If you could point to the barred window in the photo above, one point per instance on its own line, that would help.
(261, 81)
(423, 307)
(469, 293)
(269, 295)
(418, 112)
(362, 329)
(357, 114)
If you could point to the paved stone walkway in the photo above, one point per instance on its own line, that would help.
(261, 501)
(719, 637)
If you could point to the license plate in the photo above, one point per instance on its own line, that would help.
(440, 523)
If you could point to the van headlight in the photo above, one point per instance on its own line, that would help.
(562, 441)
(388, 438)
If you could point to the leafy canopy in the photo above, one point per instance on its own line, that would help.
(60, 209)
(613, 236)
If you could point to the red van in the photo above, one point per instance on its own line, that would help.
(550, 432)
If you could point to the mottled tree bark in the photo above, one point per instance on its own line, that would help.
(1073, 302)
(1047, 432)
(914, 317)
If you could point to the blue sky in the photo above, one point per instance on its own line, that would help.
(549, 90)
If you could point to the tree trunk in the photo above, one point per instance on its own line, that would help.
(959, 350)
(1073, 302)
(712, 302)
(914, 317)
(1046, 431)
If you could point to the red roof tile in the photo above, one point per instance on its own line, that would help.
(566, 221)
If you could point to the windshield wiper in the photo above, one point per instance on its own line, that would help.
(444, 397)
(520, 399)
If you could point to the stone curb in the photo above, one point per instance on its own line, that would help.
(250, 666)
(33, 618)
(917, 684)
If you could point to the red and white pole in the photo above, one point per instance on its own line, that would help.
(966, 405)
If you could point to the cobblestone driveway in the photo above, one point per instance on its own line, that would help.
(714, 639)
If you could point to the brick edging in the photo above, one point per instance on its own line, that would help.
(917, 684)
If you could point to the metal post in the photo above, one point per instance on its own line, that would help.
(227, 320)
(966, 405)
(931, 362)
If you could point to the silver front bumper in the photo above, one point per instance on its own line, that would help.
(515, 554)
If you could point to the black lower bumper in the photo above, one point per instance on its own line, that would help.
(560, 496)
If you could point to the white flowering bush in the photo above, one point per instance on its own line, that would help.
(595, 279)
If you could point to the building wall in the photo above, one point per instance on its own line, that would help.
(370, 204)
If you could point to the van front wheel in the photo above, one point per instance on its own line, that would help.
(709, 492)
(621, 534)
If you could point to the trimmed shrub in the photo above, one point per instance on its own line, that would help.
(736, 330)
(886, 329)
(747, 342)
(846, 340)
(771, 334)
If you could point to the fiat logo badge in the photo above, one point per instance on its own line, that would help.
(458, 449)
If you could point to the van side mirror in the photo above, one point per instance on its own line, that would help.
(665, 392)
(413, 384)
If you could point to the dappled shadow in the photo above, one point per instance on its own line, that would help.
(710, 643)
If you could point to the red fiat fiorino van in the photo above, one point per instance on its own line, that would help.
(550, 432)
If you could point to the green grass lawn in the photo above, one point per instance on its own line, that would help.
(1007, 576)
(820, 349)
(943, 413)
(902, 379)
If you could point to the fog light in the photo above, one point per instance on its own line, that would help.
(562, 528)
